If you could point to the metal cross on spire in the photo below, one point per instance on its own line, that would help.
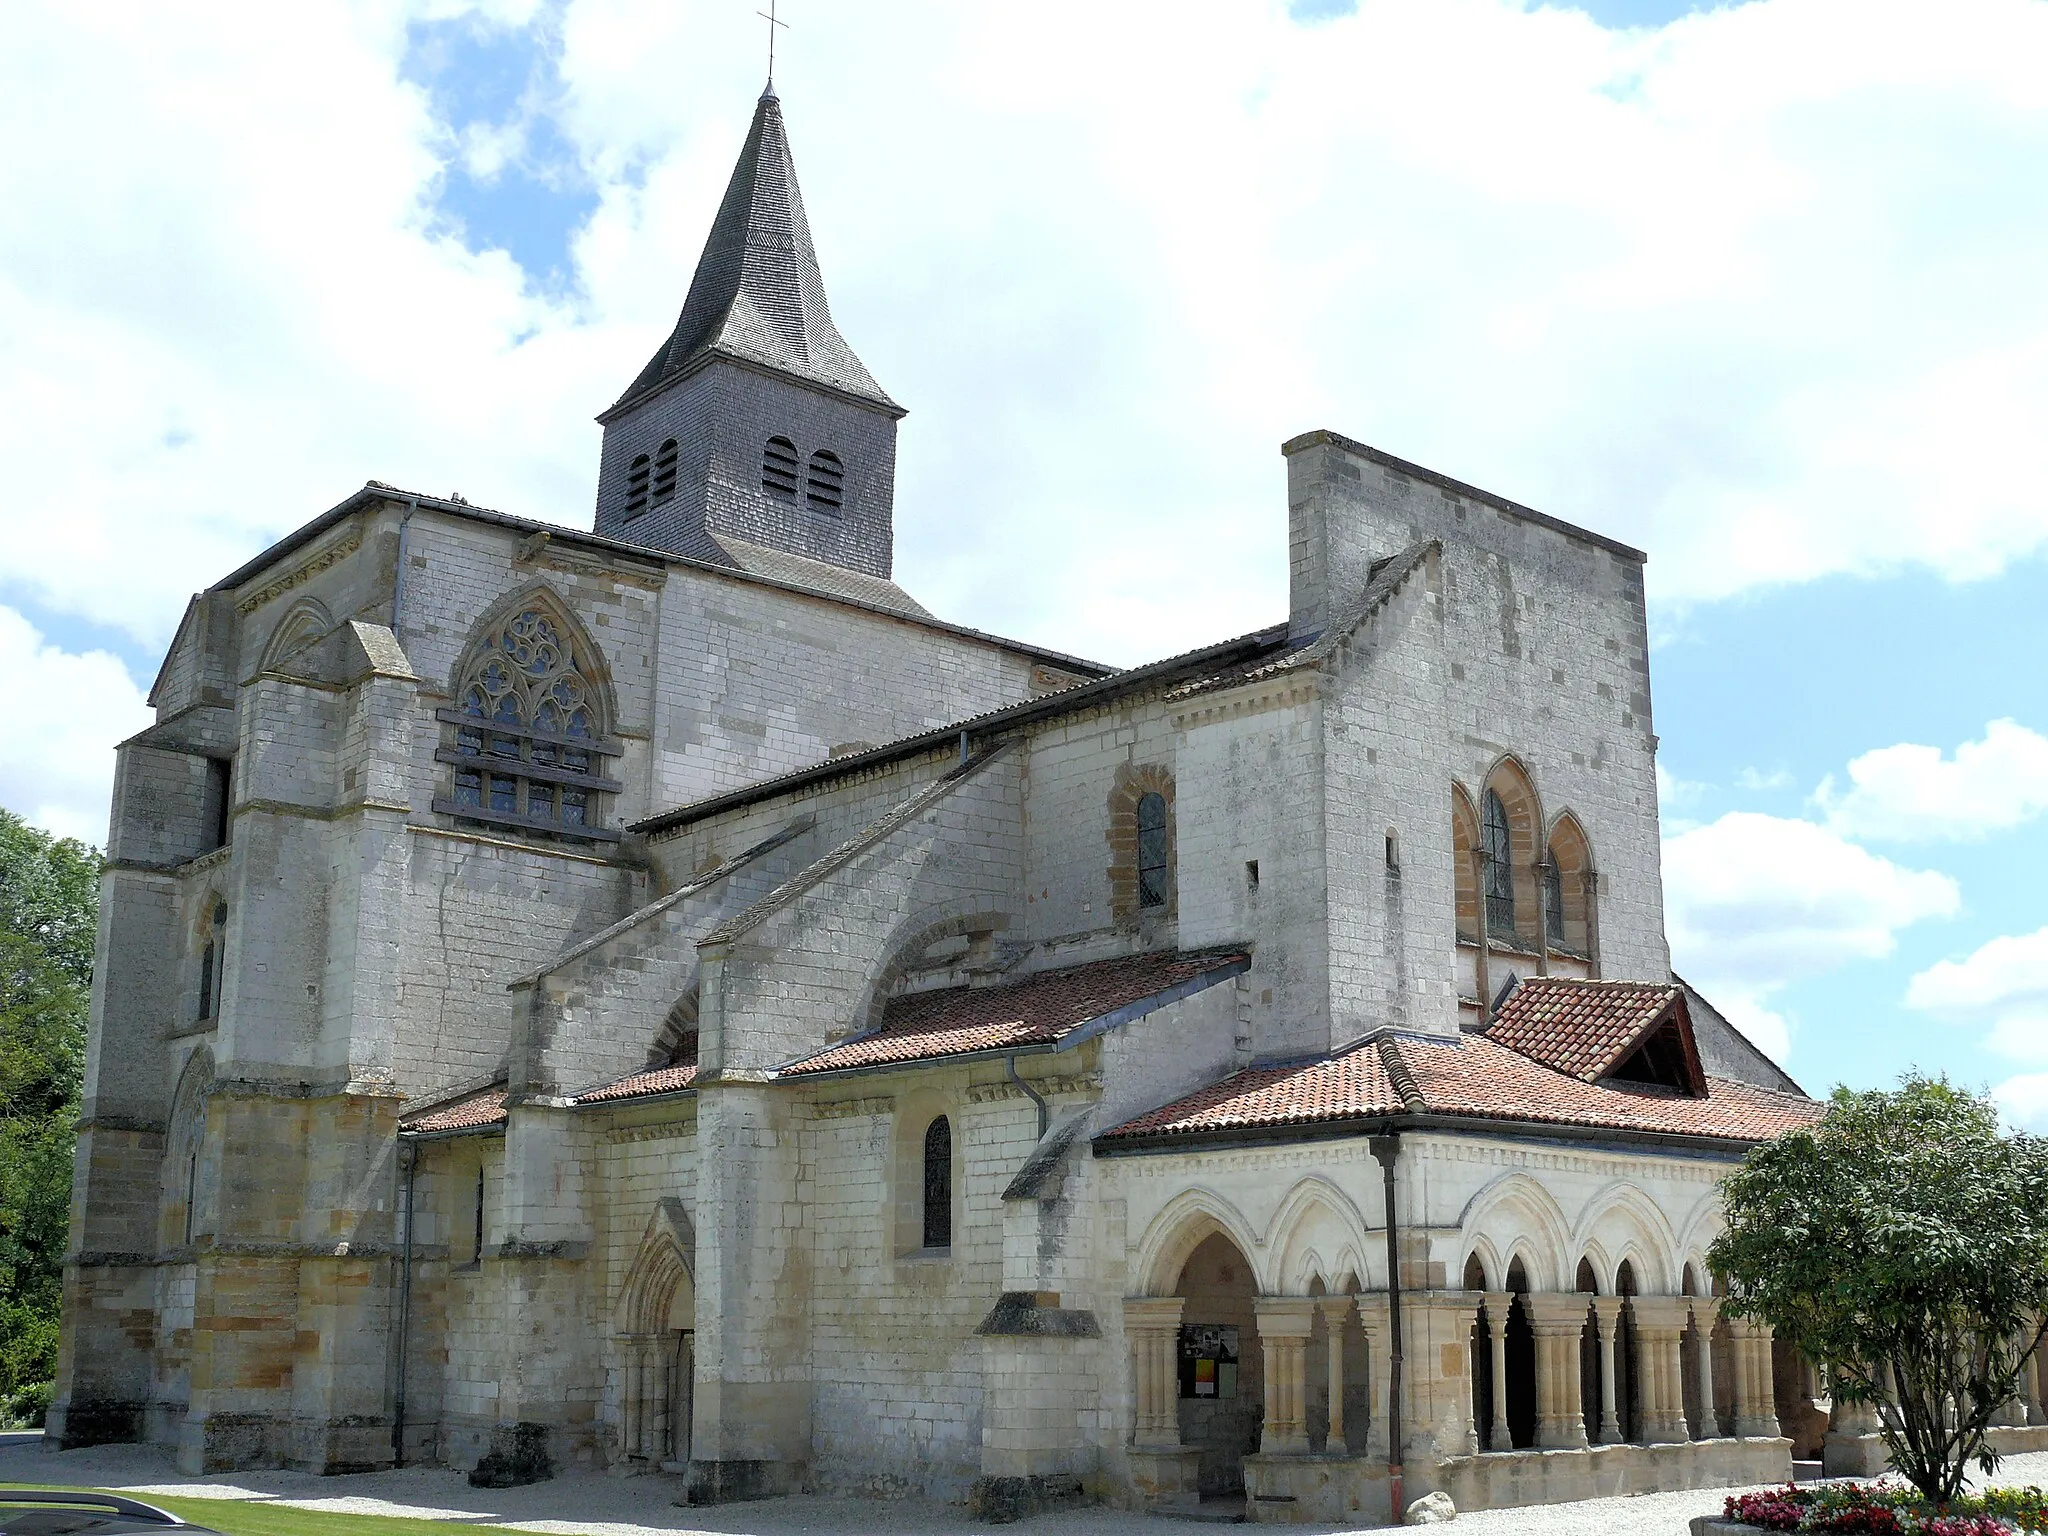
(773, 21)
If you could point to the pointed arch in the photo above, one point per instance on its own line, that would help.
(1313, 1218)
(1517, 1215)
(1569, 871)
(1183, 1224)
(663, 1272)
(1628, 1224)
(676, 1043)
(1464, 842)
(305, 623)
(529, 736)
(181, 1174)
(1479, 1251)
(906, 952)
(1513, 903)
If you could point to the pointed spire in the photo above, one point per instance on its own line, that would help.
(757, 295)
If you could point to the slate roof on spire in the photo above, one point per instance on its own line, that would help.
(758, 295)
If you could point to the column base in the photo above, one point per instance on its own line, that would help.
(95, 1421)
(1853, 1455)
(738, 1482)
(1001, 1500)
(1312, 1490)
(1167, 1476)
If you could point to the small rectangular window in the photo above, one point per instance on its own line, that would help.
(215, 804)
(1251, 876)
(206, 974)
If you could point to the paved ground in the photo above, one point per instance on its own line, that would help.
(592, 1504)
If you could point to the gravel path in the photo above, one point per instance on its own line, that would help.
(593, 1504)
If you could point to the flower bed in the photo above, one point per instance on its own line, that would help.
(1889, 1509)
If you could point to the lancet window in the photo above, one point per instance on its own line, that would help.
(529, 745)
(1154, 863)
(1497, 849)
(938, 1184)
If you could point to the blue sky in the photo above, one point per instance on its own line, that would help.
(1757, 288)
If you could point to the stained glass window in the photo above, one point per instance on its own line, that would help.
(1153, 872)
(938, 1184)
(528, 743)
(1553, 902)
(1498, 850)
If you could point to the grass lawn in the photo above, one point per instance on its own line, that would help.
(263, 1517)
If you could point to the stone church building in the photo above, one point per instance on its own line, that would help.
(658, 998)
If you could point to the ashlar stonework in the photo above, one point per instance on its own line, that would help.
(658, 998)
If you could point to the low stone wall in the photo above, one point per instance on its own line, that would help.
(1301, 1490)
(1506, 1479)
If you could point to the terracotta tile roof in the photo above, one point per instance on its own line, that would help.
(1584, 1028)
(1344, 1087)
(1471, 1075)
(1037, 1010)
(469, 1112)
(641, 1084)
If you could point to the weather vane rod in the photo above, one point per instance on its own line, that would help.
(770, 17)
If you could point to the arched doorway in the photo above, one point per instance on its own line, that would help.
(655, 1347)
(1627, 1401)
(1588, 1285)
(1218, 1366)
(1521, 1362)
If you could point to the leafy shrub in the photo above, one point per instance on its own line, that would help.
(1889, 1509)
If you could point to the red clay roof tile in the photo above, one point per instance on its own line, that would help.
(470, 1112)
(1037, 1010)
(1584, 1028)
(643, 1084)
(1475, 1076)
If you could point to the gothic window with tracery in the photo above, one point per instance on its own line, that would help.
(1497, 849)
(529, 746)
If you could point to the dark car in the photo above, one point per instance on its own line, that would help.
(69, 1512)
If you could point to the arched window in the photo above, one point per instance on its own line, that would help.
(1553, 904)
(778, 467)
(1154, 866)
(529, 747)
(636, 486)
(665, 472)
(211, 960)
(825, 487)
(1497, 849)
(938, 1184)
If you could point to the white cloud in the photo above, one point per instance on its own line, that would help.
(1754, 903)
(1910, 792)
(2024, 1100)
(1630, 279)
(2003, 985)
(58, 775)
(1759, 782)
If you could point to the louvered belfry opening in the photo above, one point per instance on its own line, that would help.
(665, 472)
(778, 467)
(825, 487)
(636, 485)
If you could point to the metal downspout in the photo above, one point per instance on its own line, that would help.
(1388, 1150)
(412, 1163)
(1044, 1116)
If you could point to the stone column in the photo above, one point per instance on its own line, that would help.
(1497, 1305)
(1153, 1325)
(1558, 1319)
(1336, 1312)
(1607, 1315)
(1372, 1317)
(1285, 1323)
(654, 1397)
(1756, 1411)
(1660, 1324)
(1705, 1309)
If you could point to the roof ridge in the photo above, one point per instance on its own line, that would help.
(1400, 1075)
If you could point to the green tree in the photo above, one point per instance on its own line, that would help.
(49, 898)
(1903, 1241)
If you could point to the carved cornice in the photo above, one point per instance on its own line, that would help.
(303, 572)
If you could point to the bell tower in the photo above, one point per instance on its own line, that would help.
(754, 428)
